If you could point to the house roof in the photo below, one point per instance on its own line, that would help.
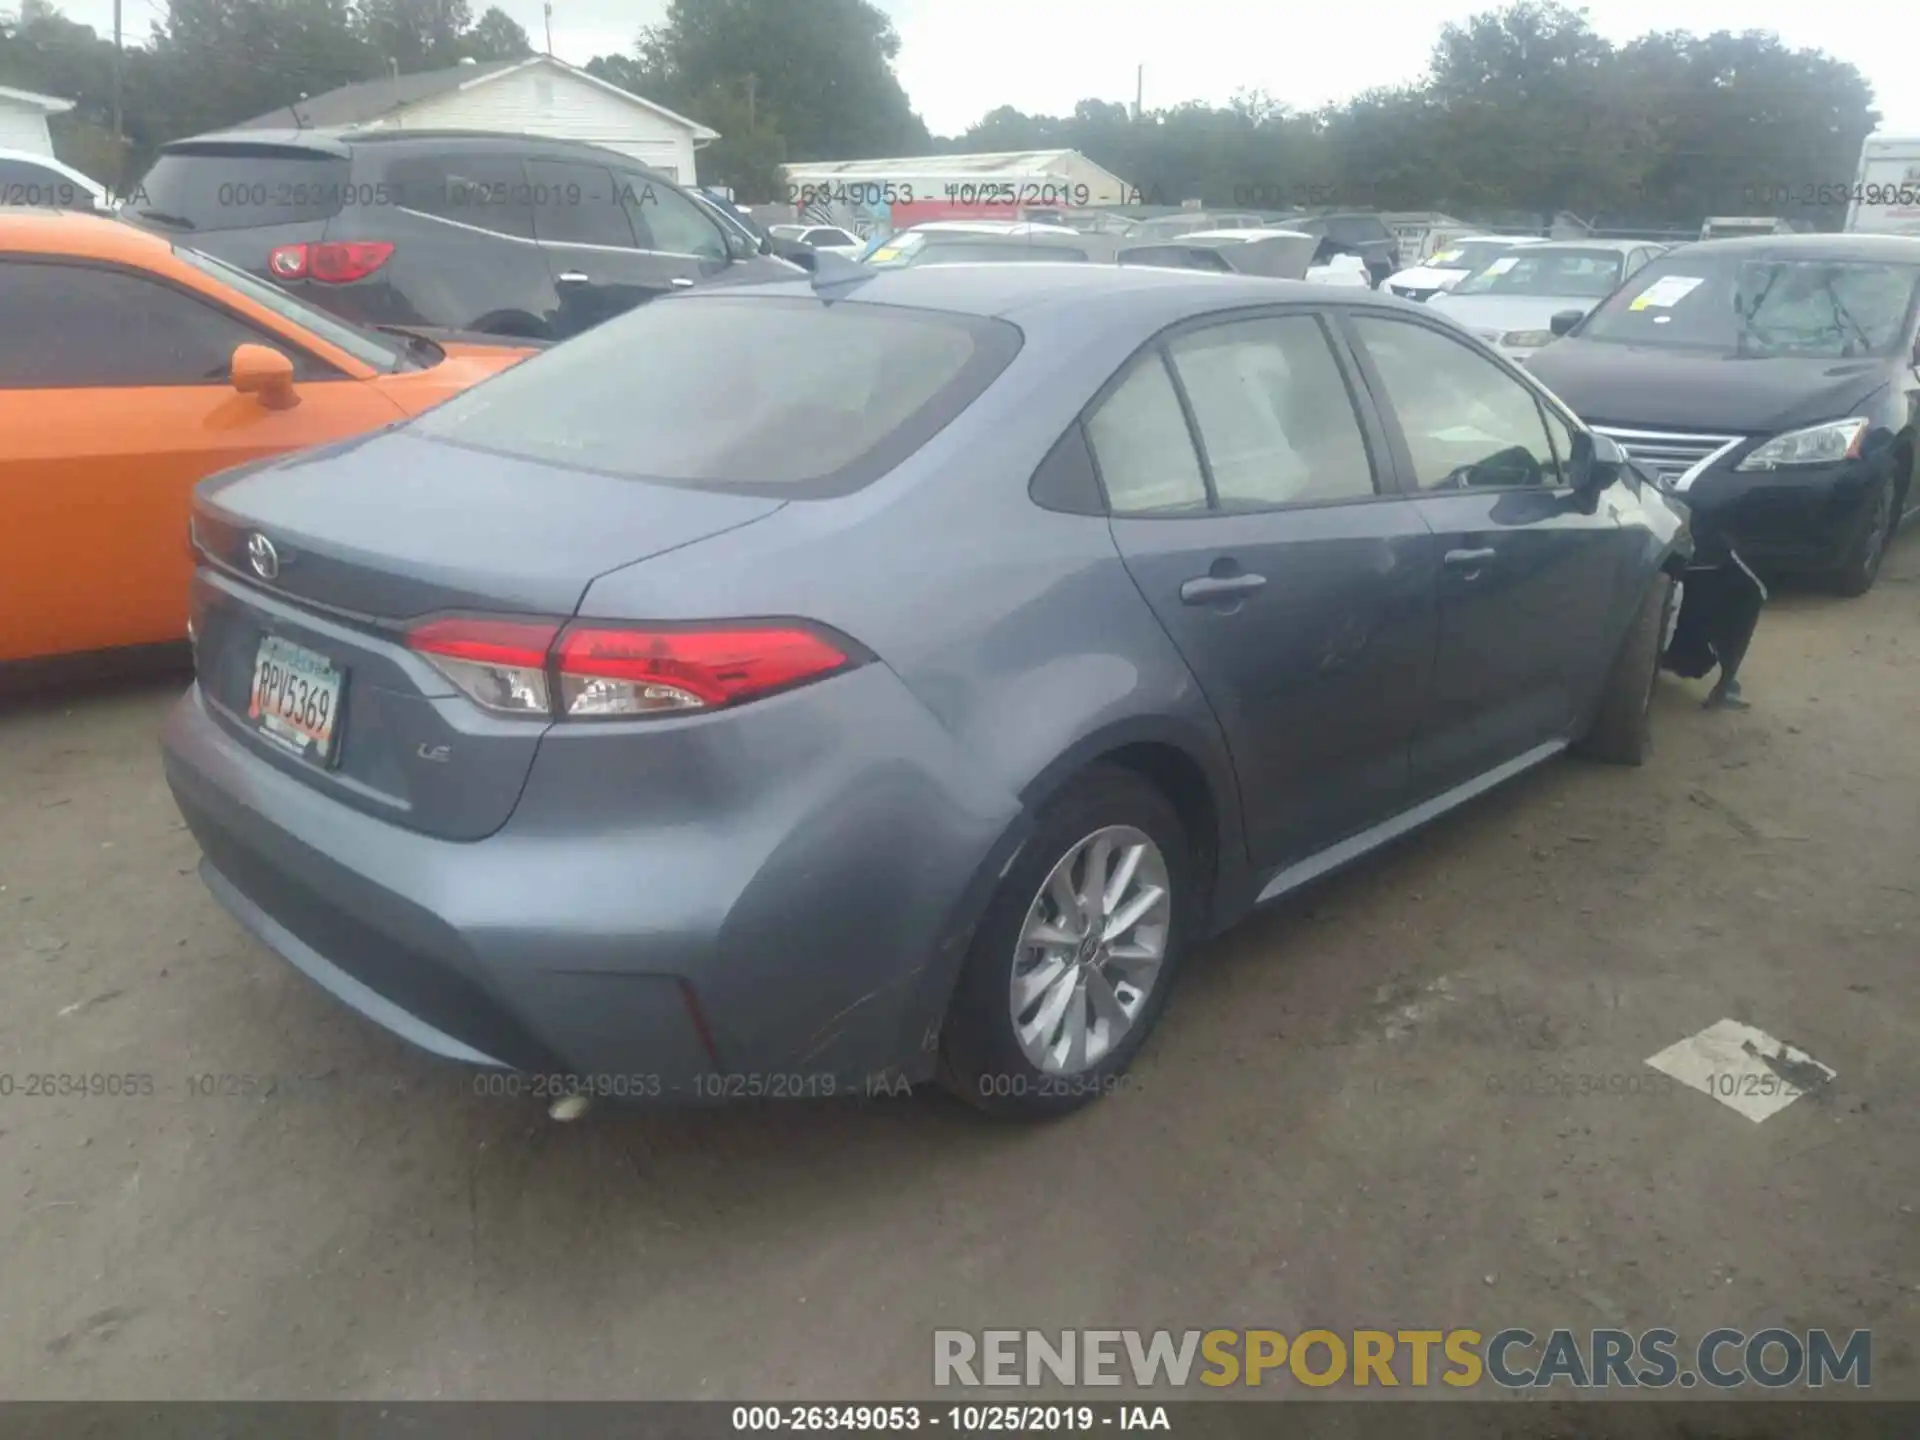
(367, 101)
(45, 104)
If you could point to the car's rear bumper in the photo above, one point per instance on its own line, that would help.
(806, 942)
(1805, 519)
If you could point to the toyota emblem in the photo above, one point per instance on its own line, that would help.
(263, 557)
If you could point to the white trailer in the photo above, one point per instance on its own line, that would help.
(1885, 199)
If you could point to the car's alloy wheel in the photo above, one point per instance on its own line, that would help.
(1071, 962)
(1090, 952)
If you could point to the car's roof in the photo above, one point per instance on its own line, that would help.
(1899, 249)
(1126, 298)
(1618, 247)
(988, 227)
(1262, 233)
(89, 237)
(342, 143)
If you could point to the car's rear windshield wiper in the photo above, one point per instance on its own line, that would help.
(179, 222)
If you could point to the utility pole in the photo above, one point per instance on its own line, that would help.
(1139, 89)
(753, 84)
(549, 9)
(119, 140)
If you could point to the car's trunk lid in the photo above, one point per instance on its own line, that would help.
(330, 556)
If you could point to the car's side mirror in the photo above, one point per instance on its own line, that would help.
(1561, 323)
(1596, 463)
(265, 374)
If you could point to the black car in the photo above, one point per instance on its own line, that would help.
(500, 234)
(1354, 233)
(1774, 381)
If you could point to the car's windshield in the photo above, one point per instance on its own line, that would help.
(1757, 305)
(704, 391)
(367, 346)
(1581, 273)
(1467, 255)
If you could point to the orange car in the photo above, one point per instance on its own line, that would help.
(131, 368)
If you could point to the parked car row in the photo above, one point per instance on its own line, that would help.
(638, 715)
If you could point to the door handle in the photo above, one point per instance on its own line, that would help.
(573, 277)
(681, 282)
(1207, 588)
(1469, 559)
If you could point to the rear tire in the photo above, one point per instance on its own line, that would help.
(1861, 568)
(1622, 731)
(983, 1059)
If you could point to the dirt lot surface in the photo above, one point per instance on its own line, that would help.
(1418, 1096)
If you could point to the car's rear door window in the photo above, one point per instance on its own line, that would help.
(794, 398)
(490, 192)
(1143, 447)
(241, 186)
(1277, 424)
(576, 204)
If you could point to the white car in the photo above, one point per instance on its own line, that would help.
(1451, 264)
(1511, 300)
(1340, 270)
(828, 239)
(42, 182)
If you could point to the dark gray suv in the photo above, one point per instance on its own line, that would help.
(455, 230)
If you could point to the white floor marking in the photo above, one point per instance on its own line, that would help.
(1743, 1068)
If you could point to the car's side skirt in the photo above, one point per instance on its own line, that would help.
(1323, 862)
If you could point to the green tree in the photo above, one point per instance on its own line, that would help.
(496, 35)
(818, 73)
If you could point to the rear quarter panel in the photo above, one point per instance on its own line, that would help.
(1017, 629)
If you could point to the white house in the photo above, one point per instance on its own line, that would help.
(23, 120)
(537, 96)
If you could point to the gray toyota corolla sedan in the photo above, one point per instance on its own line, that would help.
(803, 688)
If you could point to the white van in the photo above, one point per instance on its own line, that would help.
(1885, 199)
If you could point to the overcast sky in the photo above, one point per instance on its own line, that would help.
(961, 58)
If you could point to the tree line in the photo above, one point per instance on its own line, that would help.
(1524, 111)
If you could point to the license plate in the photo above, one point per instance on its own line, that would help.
(296, 697)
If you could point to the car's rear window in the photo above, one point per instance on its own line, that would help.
(241, 187)
(794, 397)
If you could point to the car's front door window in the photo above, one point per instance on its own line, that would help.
(1467, 423)
(77, 327)
(665, 220)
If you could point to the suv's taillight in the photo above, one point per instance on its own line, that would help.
(336, 262)
(592, 670)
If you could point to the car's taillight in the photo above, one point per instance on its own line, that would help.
(501, 665)
(592, 670)
(335, 262)
(614, 671)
